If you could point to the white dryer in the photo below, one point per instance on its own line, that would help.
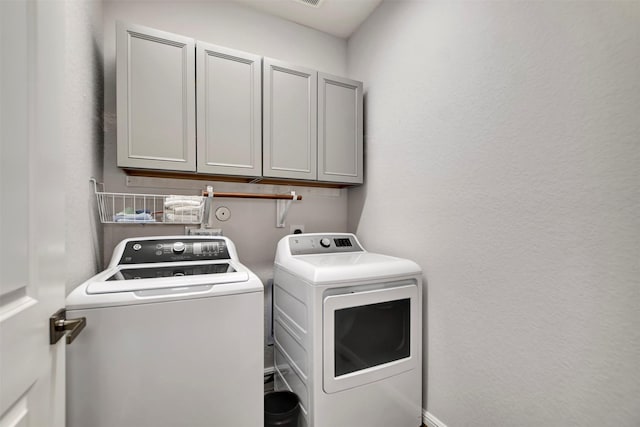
(174, 337)
(348, 332)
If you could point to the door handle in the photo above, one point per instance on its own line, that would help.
(59, 325)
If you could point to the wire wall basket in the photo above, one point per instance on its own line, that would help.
(129, 208)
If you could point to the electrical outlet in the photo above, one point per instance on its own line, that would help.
(296, 229)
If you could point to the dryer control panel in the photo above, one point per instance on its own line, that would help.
(174, 250)
(306, 244)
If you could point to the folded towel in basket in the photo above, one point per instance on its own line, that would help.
(171, 202)
(187, 210)
(139, 217)
(180, 217)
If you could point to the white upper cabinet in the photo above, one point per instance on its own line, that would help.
(339, 129)
(312, 125)
(289, 121)
(155, 99)
(189, 106)
(229, 111)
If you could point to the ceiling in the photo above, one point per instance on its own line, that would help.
(338, 17)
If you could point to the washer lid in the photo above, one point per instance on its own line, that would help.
(170, 275)
(173, 270)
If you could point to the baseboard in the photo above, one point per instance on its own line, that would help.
(430, 421)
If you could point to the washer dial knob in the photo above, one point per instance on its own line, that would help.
(178, 247)
(325, 242)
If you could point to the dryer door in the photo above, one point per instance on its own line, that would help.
(371, 335)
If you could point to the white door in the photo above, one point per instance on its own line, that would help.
(31, 212)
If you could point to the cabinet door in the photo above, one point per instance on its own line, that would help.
(229, 111)
(155, 99)
(290, 122)
(340, 156)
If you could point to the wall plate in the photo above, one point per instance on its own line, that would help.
(223, 213)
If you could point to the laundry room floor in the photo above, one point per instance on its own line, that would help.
(268, 386)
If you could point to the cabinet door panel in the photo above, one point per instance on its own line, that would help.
(229, 111)
(156, 99)
(340, 156)
(290, 122)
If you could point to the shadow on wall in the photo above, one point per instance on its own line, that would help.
(98, 158)
(357, 195)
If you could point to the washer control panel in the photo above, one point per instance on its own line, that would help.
(306, 244)
(171, 250)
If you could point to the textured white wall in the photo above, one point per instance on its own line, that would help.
(83, 138)
(502, 154)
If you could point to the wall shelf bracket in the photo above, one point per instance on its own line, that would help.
(282, 209)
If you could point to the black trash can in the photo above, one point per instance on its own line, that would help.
(281, 409)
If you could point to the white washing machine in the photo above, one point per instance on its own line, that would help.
(348, 332)
(174, 337)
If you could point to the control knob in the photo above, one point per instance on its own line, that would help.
(325, 242)
(178, 247)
